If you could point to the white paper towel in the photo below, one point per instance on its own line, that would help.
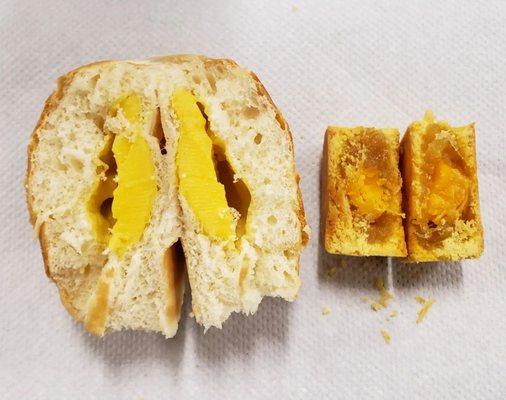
(376, 63)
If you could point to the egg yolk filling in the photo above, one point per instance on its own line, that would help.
(369, 191)
(121, 200)
(445, 180)
(449, 193)
(206, 179)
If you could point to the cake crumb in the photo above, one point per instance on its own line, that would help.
(393, 314)
(386, 336)
(426, 305)
(344, 263)
(295, 8)
(191, 314)
(364, 299)
(378, 283)
(325, 310)
(385, 295)
(331, 272)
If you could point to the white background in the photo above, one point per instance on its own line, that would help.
(376, 63)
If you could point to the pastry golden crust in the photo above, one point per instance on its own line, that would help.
(362, 192)
(438, 164)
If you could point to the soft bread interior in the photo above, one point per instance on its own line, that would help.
(252, 153)
(105, 290)
(262, 259)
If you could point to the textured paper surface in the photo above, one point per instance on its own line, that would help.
(376, 63)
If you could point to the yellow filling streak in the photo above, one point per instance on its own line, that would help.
(198, 181)
(133, 198)
(134, 189)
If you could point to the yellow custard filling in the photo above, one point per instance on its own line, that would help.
(198, 180)
(126, 178)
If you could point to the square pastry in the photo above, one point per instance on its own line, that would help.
(438, 164)
(362, 192)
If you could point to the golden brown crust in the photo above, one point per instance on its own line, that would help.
(49, 106)
(333, 201)
(66, 300)
(477, 194)
(98, 312)
(218, 62)
(301, 215)
(44, 248)
(325, 191)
